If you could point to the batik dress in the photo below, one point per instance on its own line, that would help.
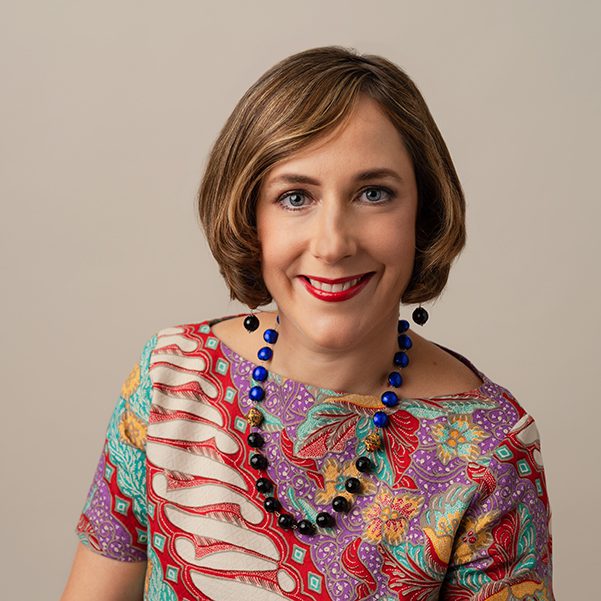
(456, 506)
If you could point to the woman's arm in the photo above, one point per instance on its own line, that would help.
(97, 578)
(110, 561)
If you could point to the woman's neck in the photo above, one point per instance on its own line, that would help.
(362, 368)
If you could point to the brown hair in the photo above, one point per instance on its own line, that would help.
(300, 98)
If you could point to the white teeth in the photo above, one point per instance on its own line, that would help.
(333, 287)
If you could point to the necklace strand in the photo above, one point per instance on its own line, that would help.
(372, 441)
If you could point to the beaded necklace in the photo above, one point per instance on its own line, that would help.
(372, 441)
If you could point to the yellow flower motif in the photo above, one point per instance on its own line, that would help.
(441, 543)
(131, 382)
(525, 591)
(474, 534)
(458, 437)
(132, 430)
(388, 515)
(335, 476)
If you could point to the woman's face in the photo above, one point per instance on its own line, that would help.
(318, 217)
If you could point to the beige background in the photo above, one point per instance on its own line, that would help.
(108, 111)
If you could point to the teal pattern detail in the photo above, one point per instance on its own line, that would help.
(270, 422)
(298, 554)
(423, 410)
(131, 477)
(158, 589)
(503, 453)
(158, 541)
(301, 505)
(230, 394)
(314, 582)
(446, 509)
(240, 424)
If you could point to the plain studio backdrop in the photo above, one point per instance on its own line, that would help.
(108, 112)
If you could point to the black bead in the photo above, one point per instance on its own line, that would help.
(271, 504)
(325, 520)
(264, 485)
(251, 322)
(352, 485)
(364, 464)
(420, 316)
(286, 521)
(255, 440)
(340, 503)
(259, 462)
(306, 527)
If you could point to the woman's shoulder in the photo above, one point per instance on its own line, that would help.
(475, 404)
(483, 421)
(191, 347)
(436, 370)
(222, 335)
(186, 336)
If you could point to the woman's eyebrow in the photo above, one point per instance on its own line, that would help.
(297, 178)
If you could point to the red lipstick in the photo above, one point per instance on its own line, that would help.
(336, 296)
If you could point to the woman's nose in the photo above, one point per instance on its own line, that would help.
(332, 235)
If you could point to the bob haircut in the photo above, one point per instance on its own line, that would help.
(299, 99)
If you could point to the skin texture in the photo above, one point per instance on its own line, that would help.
(343, 228)
(97, 578)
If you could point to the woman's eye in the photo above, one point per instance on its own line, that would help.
(294, 200)
(378, 194)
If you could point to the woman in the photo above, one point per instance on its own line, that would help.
(324, 450)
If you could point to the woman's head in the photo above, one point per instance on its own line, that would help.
(298, 102)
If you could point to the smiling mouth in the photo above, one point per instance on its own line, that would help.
(338, 285)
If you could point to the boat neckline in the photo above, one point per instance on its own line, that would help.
(274, 376)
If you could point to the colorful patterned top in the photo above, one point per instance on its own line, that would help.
(456, 507)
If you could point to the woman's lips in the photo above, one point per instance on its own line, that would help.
(337, 296)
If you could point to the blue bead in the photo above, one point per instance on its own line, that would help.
(256, 393)
(390, 399)
(260, 373)
(395, 379)
(401, 359)
(403, 326)
(270, 336)
(380, 419)
(265, 353)
(405, 342)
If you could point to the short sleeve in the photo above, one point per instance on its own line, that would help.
(114, 521)
(504, 542)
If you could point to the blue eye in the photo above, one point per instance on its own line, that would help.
(379, 190)
(291, 196)
(295, 197)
